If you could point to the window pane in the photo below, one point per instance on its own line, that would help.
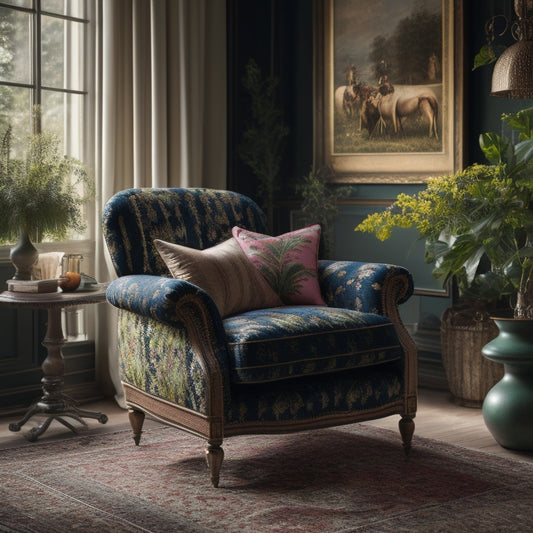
(14, 46)
(20, 3)
(63, 115)
(70, 8)
(15, 106)
(62, 43)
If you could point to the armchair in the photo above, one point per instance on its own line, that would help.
(265, 370)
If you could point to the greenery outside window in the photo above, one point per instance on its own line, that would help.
(47, 59)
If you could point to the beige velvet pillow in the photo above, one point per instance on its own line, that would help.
(224, 272)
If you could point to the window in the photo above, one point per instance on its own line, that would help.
(47, 58)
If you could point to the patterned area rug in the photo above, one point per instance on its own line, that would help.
(354, 478)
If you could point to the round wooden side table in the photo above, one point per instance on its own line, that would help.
(54, 404)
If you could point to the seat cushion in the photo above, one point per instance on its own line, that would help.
(286, 342)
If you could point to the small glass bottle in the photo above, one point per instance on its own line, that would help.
(71, 263)
(73, 317)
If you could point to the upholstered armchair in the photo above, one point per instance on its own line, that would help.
(218, 352)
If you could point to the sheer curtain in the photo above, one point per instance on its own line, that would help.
(160, 114)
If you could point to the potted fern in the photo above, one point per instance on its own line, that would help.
(41, 196)
(478, 228)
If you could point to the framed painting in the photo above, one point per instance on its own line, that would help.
(388, 89)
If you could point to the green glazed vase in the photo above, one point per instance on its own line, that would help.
(508, 406)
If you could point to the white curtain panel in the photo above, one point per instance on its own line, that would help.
(161, 114)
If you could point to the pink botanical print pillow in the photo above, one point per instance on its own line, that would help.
(288, 262)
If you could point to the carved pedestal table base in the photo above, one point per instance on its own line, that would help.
(53, 404)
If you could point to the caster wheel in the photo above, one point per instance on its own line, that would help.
(102, 419)
(14, 427)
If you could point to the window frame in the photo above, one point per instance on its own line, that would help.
(36, 85)
(86, 245)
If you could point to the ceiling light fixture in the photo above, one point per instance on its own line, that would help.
(513, 72)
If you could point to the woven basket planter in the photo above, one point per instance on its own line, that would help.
(470, 376)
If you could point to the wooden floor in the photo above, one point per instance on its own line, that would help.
(438, 418)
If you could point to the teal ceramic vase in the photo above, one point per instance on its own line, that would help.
(508, 406)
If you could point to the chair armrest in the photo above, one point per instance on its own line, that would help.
(366, 287)
(158, 297)
(181, 305)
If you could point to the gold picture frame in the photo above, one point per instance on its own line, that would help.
(386, 150)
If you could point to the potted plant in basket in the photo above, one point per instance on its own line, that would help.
(478, 228)
(40, 197)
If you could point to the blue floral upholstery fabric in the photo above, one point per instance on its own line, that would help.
(315, 396)
(276, 364)
(357, 285)
(198, 218)
(290, 342)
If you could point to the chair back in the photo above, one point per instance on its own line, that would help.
(197, 218)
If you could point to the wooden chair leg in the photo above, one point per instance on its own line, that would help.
(136, 422)
(214, 455)
(407, 428)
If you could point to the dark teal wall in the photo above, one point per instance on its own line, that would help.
(482, 111)
(278, 34)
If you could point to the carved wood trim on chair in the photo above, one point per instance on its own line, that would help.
(174, 415)
(325, 421)
(394, 289)
(202, 336)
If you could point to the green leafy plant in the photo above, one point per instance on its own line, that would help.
(42, 195)
(319, 205)
(477, 223)
(263, 141)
